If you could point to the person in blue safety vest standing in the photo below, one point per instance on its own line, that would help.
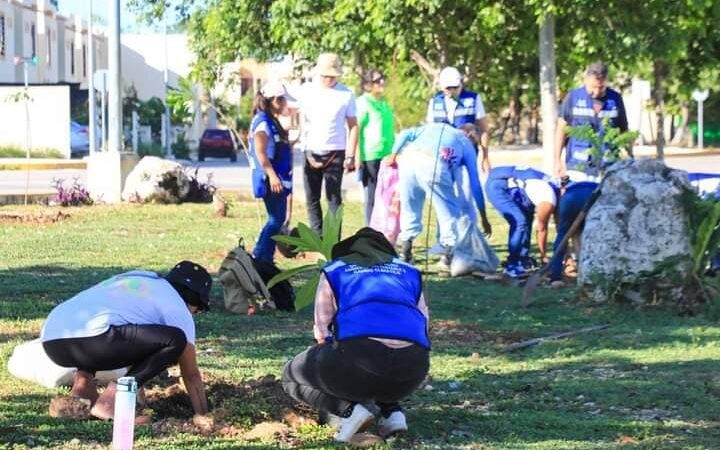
(590, 104)
(456, 106)
(271, 161)
(708, 185)
(433, 155)
(518, 193)
(371, 328)
(574, 197)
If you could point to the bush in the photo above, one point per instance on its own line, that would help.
(151, 149)
(10, 151)
(75, 195)
(180, 147)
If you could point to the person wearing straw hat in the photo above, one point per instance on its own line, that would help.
(137, 319)
(329, 136)
(271, 162)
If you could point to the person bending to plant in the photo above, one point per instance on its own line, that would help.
(371, 328)
(137, 319)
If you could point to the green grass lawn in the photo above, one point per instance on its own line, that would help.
(650, 381)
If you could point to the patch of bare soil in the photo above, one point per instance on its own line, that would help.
(453, 332)
(33, 218)
(67, 407)
(263, 404)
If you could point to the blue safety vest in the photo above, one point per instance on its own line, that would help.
(378, 301)
(278, 152)
(577, 154)
(517, 172)
(707, 184)
(465, 112)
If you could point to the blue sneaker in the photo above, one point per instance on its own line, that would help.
(515, 271)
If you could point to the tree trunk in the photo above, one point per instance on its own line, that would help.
(426, 66)
(682, 129)
(660, 72)
(548, 89)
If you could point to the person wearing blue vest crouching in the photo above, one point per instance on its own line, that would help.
(708, 185)
(371, 328)
(431, 159)
(137, 319)
(271, 163)
(518, 193)
(574, 197)
(589, 104)
(457, 106)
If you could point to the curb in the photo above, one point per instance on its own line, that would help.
(43, 166)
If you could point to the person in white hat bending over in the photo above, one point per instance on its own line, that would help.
(329, 136)
(456, 106)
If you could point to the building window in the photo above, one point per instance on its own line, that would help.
(84, 61)
(33, 41)
(72, 58)
(2, 34)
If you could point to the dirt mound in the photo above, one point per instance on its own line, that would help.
(235, 408)
(67, 407)
(38, 218)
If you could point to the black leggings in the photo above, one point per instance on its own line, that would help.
(333, 377)
(147, 349)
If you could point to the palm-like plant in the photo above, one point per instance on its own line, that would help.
(608, 146)
(310, 241)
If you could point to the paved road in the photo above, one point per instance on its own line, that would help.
(236, 176)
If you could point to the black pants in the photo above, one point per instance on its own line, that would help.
(333, 377)
(332, 173)
(369, 181)
(147, 349)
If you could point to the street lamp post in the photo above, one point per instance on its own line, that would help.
(115, 122)
(26, 98)
(91, 84)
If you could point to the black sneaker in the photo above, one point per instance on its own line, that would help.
(406, 252)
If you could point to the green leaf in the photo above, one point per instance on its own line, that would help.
(331, 231)
(306, 294)
(310, 238)
(300, 244)
(286, 274)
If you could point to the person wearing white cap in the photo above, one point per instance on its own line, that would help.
(456, 106)
(271, 163)
(329, 136)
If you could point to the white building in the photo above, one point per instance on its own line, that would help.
(33, 28)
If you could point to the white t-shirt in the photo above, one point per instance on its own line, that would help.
(324, 113)
(451, 105)
(539, 191)
(131, 298)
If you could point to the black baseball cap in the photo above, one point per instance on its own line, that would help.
(195, 278)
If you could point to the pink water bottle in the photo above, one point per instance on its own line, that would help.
(124, 418)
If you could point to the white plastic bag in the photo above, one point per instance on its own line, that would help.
(30, 362)
(471, 252)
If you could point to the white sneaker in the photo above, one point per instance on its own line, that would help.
(360, 419)
(393, 424)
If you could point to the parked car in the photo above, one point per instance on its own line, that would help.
(79, 139)
(218, 143)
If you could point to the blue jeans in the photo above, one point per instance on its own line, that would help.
(519, 235)
(416, 182)
(276, 206)
(569, 206)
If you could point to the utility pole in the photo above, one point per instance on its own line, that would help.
(548, 89)
(91, 83)
(115, 122)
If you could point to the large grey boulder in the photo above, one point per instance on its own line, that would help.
(156, 180)
(636, 242)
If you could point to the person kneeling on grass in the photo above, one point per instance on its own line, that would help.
(137, 319)
(371, 328)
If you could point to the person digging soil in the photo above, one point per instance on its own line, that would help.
(138, 319)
